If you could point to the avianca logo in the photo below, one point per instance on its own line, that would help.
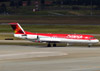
(75, 36)
(17, 29)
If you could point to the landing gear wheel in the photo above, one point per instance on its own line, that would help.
(49, 45)
(89, 45)
(54, 45)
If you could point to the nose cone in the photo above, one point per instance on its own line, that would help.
(95, 41)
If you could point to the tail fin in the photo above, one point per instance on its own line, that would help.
(17, 28)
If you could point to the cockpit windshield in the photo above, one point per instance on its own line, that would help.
(92, 38)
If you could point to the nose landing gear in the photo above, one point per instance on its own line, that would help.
(89, 45)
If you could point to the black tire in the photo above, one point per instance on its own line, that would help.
(89, 46)
(49, 45)
(54, 45)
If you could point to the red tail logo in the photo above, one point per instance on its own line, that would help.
(17, 28)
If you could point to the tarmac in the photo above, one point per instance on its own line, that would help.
(39, 58)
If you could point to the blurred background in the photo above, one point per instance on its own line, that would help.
(50, 7)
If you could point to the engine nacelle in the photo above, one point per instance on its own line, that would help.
(26, 36)
(32, 37)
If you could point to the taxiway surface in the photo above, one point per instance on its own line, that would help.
(36, 58)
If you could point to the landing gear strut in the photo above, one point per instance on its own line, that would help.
(68, 44)
(89, 45)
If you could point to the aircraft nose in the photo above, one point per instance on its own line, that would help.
(96, 40)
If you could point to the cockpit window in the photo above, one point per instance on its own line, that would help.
(91, 37)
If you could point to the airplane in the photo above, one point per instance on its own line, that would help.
(53, 38)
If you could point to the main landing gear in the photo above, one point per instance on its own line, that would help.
(49, 45)
(54, 45)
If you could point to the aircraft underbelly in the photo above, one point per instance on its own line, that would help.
(62, 40)
(75, 41)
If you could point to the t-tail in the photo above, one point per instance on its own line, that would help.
(20, 33)
(18, 30)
